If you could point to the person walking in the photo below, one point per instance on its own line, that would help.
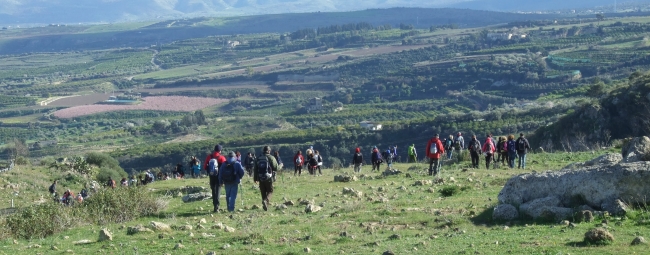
(211, 165)
(413, 156)
(196, 169)
(393, 151)
(52, 188)
(388, 156)
(110, 183)
(249, 162)
(276, 155)
(522, 148)
(488, 150)
(319, 160)
(376, 159)
(474, 148)
(298, 162)
(512, 151)
(459, 142)
(230, 174)
(434, 150)
(449, 146)
(502, 151)
(265, 168)
(357, 160)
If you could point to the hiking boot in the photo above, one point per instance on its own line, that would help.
(216, 208)
(264, 206)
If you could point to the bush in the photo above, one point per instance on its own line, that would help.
(104, 207)
(449, 191)
(102, 160)
(106, 173)
(22, 161)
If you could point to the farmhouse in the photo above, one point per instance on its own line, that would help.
(233, 44)
(370, 125)
(315, 104)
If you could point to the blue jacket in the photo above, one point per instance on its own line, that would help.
(239, 170)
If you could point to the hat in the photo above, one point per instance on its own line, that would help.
(218, 148)
(231, 154)
(357, 150)
(437, 135)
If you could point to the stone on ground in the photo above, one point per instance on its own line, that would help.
(197, 197)
(105, 235)
(598, 236)
(505, 212)
(639, 240)
(312, 208)
(159, 226)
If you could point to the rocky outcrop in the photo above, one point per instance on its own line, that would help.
(197, 197)
(604, 183)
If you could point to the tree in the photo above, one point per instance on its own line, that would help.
(600, 17)
(19, 149)
(596, 90)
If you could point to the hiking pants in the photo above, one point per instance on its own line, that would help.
(357, 168)
(376, 165)
(522, 161)
(449, 154)
(297, 170)
(475, 158)
(511, 159)
(216, 191)
(412, 159)
(488, 159)
(434, 165)
(231, 195)
(249, 170)
(266, 189)
(504, 157)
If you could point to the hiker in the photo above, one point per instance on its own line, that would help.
(389, 158)
(309, 153)
(211, 166)
(488, 150)
(522, 148)
(449, 146)
(357, 160)
(312, 164)
(68, 197)
(298, 161)
(276, 155)
(196, 169)
(160, 176)
(474, 149)
(84, 192)
(132, 181)
(249, 162)
(124, 182)
(178, 170)
(52, 188)
(512, 151)
(502, 151)
(393, 151)
(79, 198)
(265, 169)
(238, 156)
(376, 159)
(230, 174)
(413, 156)
(110, 183)
(459, 142)
(434, 150)
(319, 160)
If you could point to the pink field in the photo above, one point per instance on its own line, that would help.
(170, 103)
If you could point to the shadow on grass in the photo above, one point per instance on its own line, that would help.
(577, 244)
(195, 214)
(485, 218)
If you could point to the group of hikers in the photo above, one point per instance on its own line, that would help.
(313, 162)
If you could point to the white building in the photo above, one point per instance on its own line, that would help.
(370, 125)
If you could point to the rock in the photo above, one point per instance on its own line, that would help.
(159, 226)
(54, 248)
(607, 159)
(597, 186)
(206, 235)
(615, 207)
(80, 242)
(137, 229)
(534, 208)
(556, 213)
(185, 228)
(179, 246)
(229, 229)
(34, 246)
(306, 202)
(344, 178)
(431, 190)
(225, 246)
(584, 216)
(105, 235)
(636, 150)
(218, 226)
(281, 207)
(197, 197)
(211, 253)
(565, 223)
(289, 203)
(312, 208)
(190, 234)
(505, 212)
(307, 249)
(598, 236)
(388, 252)
(391, 172)
(203, 221)
(255, 207)
(639, 240)
(408, 175)
(395, 237)
(355, 193)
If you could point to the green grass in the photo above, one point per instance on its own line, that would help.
(413, 220)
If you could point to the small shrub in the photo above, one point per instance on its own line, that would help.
(449, 191)
(598, 236)
(105, 173)
(39, 221)
(21, 161)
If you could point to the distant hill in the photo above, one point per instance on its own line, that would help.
(93, 11)
(622, 113)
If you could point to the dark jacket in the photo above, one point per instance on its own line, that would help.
(239, 171)
(474, 145)
(522, 143)
(357, 158)
(376, 156)
(271, 160)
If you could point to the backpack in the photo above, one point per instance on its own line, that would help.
(250, 161)
(313, 161)
(521, 144)
(457, 144)
(449, 144)
(213, 167)
(475, 146)
(490, 148)
(298, 160)
(500, 145)
(264, 171)
(358, 158)
(434, 148)
(228, 175)
(411, 150)
(511, 146)
(51, 188)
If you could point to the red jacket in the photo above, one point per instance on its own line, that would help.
(438, 144)
(214, 155)
(487, 148)
(295, 159)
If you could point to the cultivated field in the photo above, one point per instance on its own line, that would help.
(168, 103)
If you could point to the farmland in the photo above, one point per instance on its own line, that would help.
(169, 103)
